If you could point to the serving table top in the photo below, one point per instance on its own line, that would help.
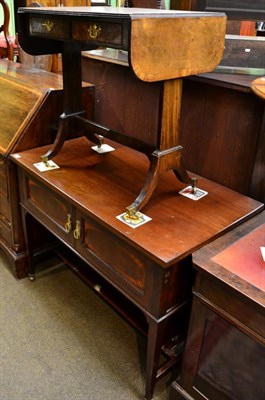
(102, 185)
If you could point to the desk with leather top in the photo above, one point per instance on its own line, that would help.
(224, 356)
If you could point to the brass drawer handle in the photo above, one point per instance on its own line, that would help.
(68, 225)
(94, 31)
(77, 230)
(48, 25)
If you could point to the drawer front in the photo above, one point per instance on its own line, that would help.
(55, 28)
(3, 177)
(121, 263)
(100, 32)
(5, 233)
(49, 208)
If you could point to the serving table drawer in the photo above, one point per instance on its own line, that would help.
(127, 268)
(47, 206)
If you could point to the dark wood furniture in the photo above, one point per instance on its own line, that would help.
(224, 356)
(220, 111)
(51, 3)
(149, 265)
(31, 103)
(151, 59)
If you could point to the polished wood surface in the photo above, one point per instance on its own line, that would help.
(258, 87)
(189, 45)
(220, 111)
(227, 321)
(31, 103)
(93, 170)
(150, 265)
(147, 49)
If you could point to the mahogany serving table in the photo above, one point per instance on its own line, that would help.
(150, 265)
(162, 46)
(224, 356)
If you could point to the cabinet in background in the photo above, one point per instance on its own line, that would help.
(224, 357)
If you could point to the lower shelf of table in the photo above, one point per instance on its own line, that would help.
(173, 347)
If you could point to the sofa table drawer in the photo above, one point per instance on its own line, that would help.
(49, 27)
(103, 33)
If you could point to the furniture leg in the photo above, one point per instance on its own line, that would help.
(72, 83)
(168, 155)
(161, 161)
(154, 343)
(25, 223)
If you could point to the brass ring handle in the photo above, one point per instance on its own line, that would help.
(68, 225)
(77, 230)
(94, 31)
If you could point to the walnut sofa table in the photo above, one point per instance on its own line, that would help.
(150, 265)
(162, 46)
